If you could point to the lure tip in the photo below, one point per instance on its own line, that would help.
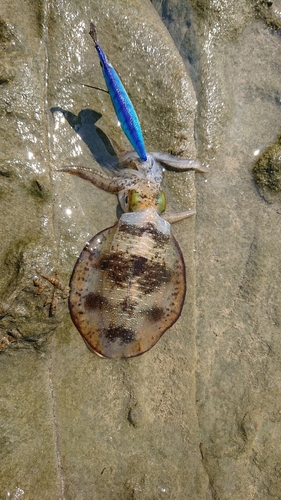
(93, 32)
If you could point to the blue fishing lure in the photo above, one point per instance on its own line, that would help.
(123, 106)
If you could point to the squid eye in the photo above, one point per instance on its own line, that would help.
(134, 200)
(161, 202)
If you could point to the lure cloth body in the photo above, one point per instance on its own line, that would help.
(122, 104)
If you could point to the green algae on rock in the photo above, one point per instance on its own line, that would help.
(270, 13)
(267, 170)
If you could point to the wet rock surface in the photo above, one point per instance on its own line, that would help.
(198, 416)
(237, 241)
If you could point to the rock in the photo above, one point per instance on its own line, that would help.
(198, 416)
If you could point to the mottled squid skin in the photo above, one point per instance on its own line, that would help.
(128, 285)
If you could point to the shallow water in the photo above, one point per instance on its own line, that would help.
(197, 416)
